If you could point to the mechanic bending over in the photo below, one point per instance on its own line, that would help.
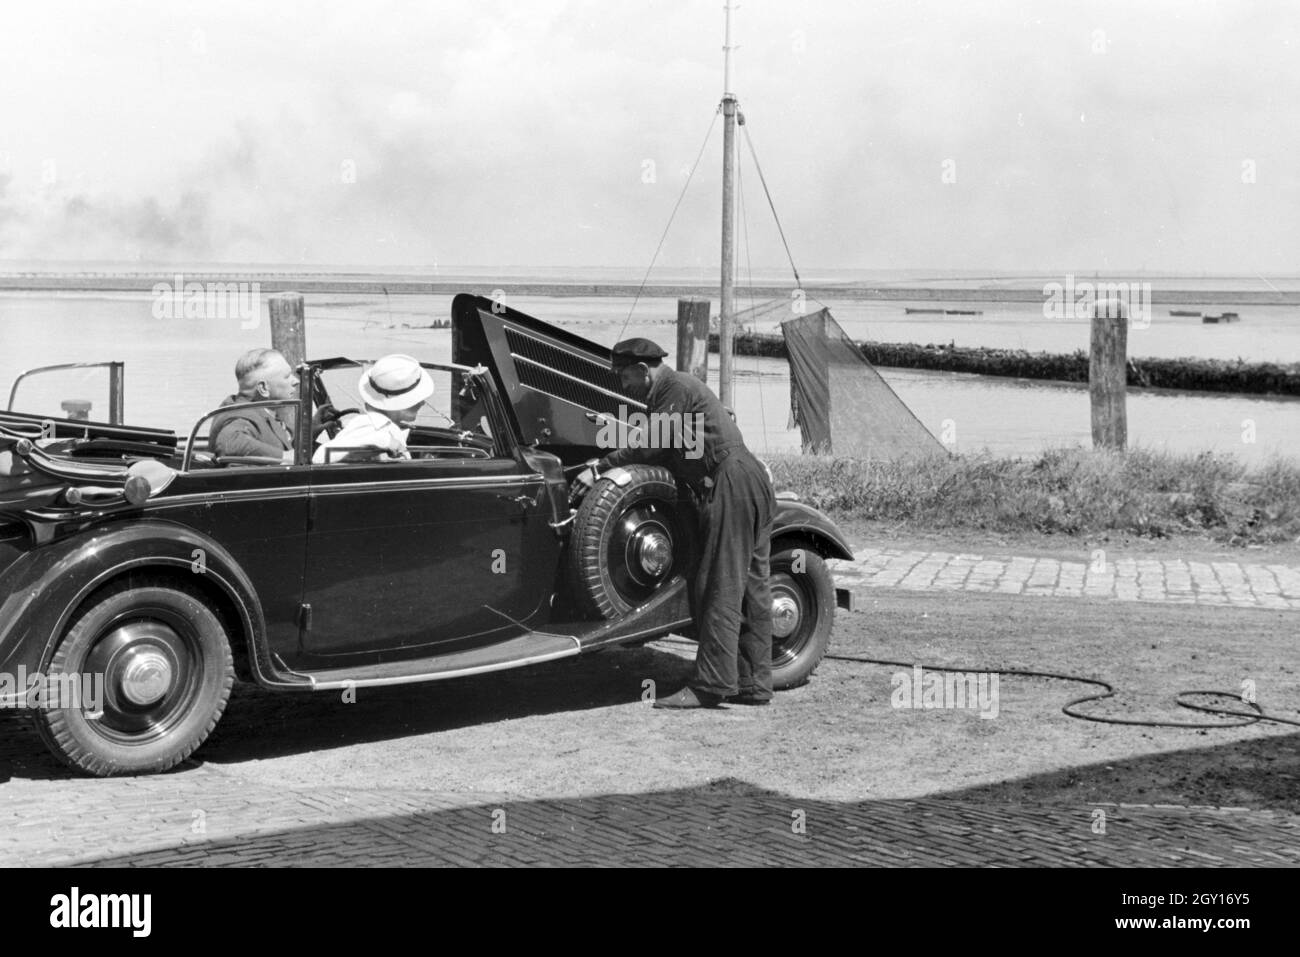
(393, 389)
(731, 600)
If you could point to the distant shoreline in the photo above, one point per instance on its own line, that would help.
(406, 286)
(1182, 374)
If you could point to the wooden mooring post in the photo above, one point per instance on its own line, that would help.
(289, 327)
(289, 338)
(1108, 375)
(693, 337)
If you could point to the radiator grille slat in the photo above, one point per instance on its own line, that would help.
(594, 375)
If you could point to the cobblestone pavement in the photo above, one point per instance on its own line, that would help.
(211, 817)
(1164, 580)
(212, 814)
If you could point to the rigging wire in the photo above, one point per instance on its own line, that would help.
(768, 193)
(749, 271)
(671, 217)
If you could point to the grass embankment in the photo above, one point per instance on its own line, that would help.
(1070, 491)
(1199, 375)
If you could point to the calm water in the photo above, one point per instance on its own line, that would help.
(179, 369)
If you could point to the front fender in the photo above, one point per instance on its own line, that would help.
(796, 518)
(40, 591)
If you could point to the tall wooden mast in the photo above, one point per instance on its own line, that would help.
(727, 308)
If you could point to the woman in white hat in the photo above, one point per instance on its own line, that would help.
(394, 389)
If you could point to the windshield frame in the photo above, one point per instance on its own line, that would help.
(116, 385)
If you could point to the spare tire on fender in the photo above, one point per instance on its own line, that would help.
(634, 532)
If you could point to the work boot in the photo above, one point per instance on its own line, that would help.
(748, 697)
(688, 697)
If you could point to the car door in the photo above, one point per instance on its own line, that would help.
(256, 511)
(415, 557)
(259, 515)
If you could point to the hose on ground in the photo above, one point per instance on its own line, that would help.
(1243, 718)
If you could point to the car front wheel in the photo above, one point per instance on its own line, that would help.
(153, 670)
(803, 613)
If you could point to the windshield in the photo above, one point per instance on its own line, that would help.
(82, 392)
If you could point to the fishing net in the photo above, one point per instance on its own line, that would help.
(840, 402)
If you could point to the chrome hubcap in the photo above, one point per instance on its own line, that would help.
(150, 663)
(647, 549)
(147, 675)
(785, 614)
(654, 553)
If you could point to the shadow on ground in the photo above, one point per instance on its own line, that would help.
(260, 724)
(732, 822)
(1150, 652)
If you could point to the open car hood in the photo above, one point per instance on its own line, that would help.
(557, 385)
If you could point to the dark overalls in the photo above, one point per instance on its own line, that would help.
(730, 597)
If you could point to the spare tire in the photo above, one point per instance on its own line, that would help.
(633, 534)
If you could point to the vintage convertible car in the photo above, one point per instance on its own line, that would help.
(164, 571)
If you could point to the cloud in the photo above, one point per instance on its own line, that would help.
(521, 134)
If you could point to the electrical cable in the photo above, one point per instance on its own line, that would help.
(1254, 717)
(1069, 708)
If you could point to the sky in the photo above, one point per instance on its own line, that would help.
(1002, 137)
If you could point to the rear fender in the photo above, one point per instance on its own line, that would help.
(42, 590)
(798, 519)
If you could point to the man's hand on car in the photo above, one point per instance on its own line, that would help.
(584, 480)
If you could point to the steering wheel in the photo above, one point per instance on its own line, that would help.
(335, 425)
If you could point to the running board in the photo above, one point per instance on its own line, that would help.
(530, 649)
(667, 611)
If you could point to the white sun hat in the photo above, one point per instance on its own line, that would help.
(395, 382)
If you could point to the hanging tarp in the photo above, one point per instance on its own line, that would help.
(810, 396)
(840, 402)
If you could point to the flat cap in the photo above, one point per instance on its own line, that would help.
(634, 350)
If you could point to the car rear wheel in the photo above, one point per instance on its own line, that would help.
(631, 536)
(156, 662)
(803, 613)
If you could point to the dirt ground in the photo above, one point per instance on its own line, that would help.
(581, 727)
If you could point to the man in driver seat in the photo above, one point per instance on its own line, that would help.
(393, 389)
